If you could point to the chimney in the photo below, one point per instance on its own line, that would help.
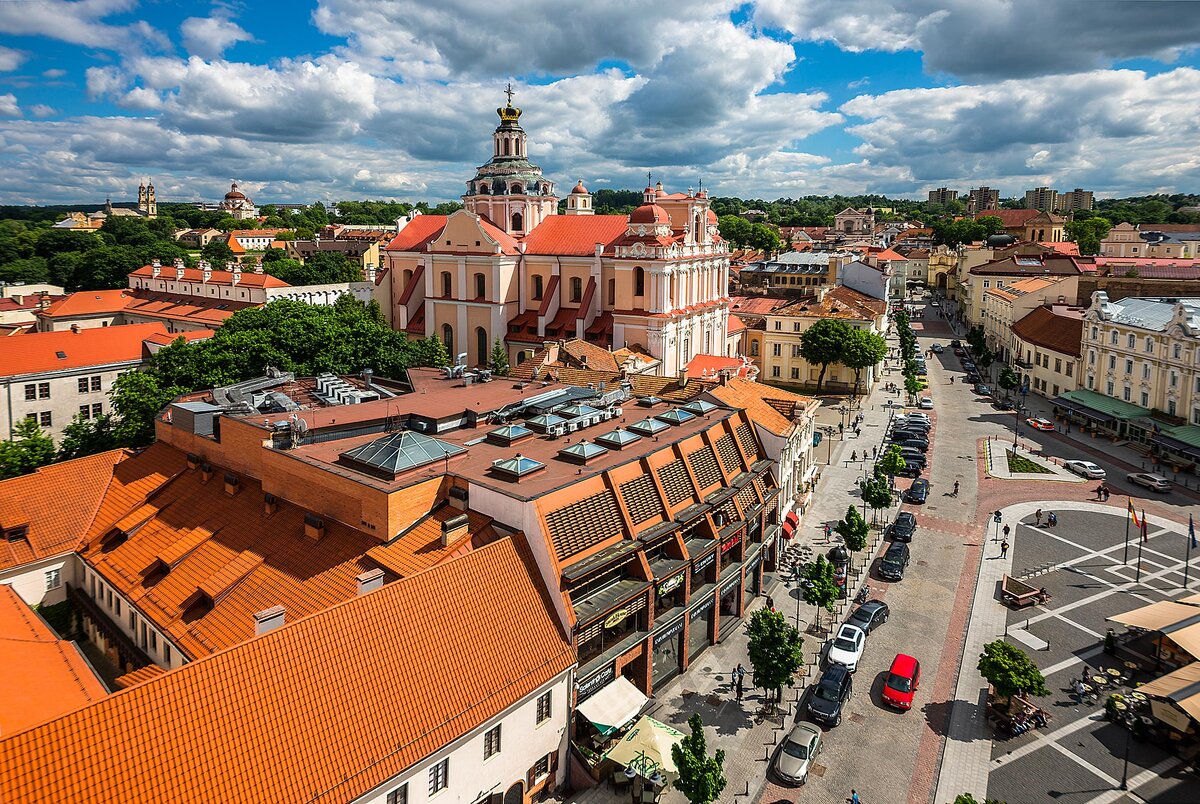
(683, 377)
(155, 268)
(370, 272)
(235, 268)
(231, 484)
(458, 498)
(75, 328)
(179, 268)
(258, 269)
(454, 529)
(369, 581)
(205, 471)
(270, 504)
(269, 619)
(206, 270)
(314, 527)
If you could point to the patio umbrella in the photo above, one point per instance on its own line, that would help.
(646, 747)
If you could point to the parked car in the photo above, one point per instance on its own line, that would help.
(910, 423)
(959, 351)
(894, 562)
(797, 752)
(956, 343)
(969, 365)
(1040, 424)
(1086, 469)
(919, 443)
(870, 615)
(1002, 404)
(912, 468)
(926, 403)
(937, 348)
(918, 492)
(983, 390)
(831, 692)
(847, 647)
(972, 377)
(913, 454)
(903, 681)
(904, 527)
(1150, 481)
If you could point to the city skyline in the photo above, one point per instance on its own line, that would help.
(347, 99)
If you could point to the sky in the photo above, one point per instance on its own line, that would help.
(349, 99)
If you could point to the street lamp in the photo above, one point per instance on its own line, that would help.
(1125, 769)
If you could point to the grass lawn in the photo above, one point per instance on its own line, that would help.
(1017, 464)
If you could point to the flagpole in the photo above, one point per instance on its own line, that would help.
(1128, 511)
(1188, 555)
(1138, 579)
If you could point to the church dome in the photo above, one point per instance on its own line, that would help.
(649, 213)
(1001, 240)
(234, 193)
(712, 216)
(579, 189)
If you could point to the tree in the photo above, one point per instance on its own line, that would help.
(217, 252)
(823, 343)
(84, 437)
(28, 449)
(877, 495)
(819, 588)
(891, 462)
(435, 351)
(764, 238)
(330, 267)
(862, 349)
(1007, 380)
(912, 386)
(776, 650)
(734, 229)
(989, 225)
(853, 528)
(700, 777)
(967, 798)
(1088, 233)
(975, 339)
(1010, 670)
(499, 359)
(137, 397)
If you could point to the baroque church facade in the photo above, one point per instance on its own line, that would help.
(509, 266)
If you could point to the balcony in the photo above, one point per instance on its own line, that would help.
(1022, 364)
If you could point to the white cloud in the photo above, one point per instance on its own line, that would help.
(54, 73)
(10, 59)
(210, 37)
(80, 22)
(8, 106)
(42, 110)
(994, 38)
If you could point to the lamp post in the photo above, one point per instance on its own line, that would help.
(1016, 427)
(1125, 769)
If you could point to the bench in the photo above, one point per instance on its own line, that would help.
(1019, 594)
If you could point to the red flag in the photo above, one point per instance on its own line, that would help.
(1137, 522)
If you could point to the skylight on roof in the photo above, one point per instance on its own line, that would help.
(399, 452)
(649, 401)
(700, 407)
(676, 416)
(582, 452)
(648, 427)
(543, 422)
(618, 439)
(509, 433)
(578, 411)
(61, 355)
(517, 466)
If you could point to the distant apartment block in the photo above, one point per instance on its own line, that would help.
(941, 195)
(1041, 198)
(1075, 201)
(982, 199)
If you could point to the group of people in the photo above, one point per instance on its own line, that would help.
(1102, 492)
(1028, 719)
(1051, 518)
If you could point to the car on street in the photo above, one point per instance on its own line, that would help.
(903, 681)
(904, 527)
(912, 417)
(797, 752)
(1150, 481)
(956, 343)
(912, 469)
(909, 435)
(917, 493)
(937, 348)
(926, 403)
(982, 389)
(847, 647)
(831, 692)
(919, 443)
(961, 352)
(913, 455)
(972, 377)
(894, 562)
(1086, 469)
(1002, 404)
(870, 615)
(969, 365)
(1039, 423)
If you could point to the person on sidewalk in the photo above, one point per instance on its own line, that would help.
(1037, 517)
(1006, 531)
(854, 799)
(740, 672)
(1004, 548)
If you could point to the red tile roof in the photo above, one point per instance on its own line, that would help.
(415, 236)
(44, 677)
(57, 503)
(1062, 247)
(887, 255)
(764, 403)
(39, 352)
(575, 235)
(1058, 329)
(219, 277)
(324, 709)
(166, 338)
(89, 302)
(756, 305)
(712, 365)
(1011, 218)
(735, 324)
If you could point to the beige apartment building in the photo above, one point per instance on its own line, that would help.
(780, 361)
(975, 282)
(1006, 304)
(1128, 241)
(1044, 349)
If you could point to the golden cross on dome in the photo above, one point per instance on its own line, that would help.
(508, 90)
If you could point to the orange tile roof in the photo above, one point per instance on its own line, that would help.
(838, 302)
(1056, 328)
(88, 302)
(178, 307)
(420, 547)
(322, 710)
(1063, 247)
(735, 324)
(57, 503)
(415, 236)
(225, 547)
(590, 355)
(711, 365)
(234, 245)
(887, 255)
(39, 352)
(44, 677)
(218, 277)
(756, 399)
(575, 235)
(755, 305)
(166, 338)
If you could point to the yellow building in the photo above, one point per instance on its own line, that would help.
(1005, 305)
(975, 282)
(1044, 349)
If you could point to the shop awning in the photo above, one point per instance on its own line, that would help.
(1082, 410)
(646, 747)
(1181, 687)
(1158, 616)
(1187, 638)
(789, 524)
(614, 706)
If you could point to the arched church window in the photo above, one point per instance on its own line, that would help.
(481, 346)
(537, 287)
(576, 289)
(507, 148)
(639, 281)
(515, 189)
(480, 286)
(518, 223)
(612, 291)
(447, 285)
(448, 339)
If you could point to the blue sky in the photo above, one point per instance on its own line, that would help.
(336, 99)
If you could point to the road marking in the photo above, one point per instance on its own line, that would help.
(1026, 638)
(1083, 763)
(1072, 661)
(1148, 775)
(1043, 740)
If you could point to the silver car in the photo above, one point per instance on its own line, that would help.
(1150, 481)
(1085, 469)
(796, 753)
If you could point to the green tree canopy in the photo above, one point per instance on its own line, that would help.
(1088, 233)
(28, 449)
(1008, 379)
(817, 585)
(776, 650)
(700, 778)
(499, 359)
(217, 252)
(734, 229)
(891, 463)
(1010, 670)
(86, 437)
(862, 349)
(824, 343)
(853, 528)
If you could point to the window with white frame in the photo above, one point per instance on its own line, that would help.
(1149, 344)
(1170, 407)
(1177, 351)
(1145, 371)
(439, 776)
(1145, 399)
(1113, 338)
(1112, 362)
(1174, 380)
(1128, 366)
(1127, 393)
(53, 578)
(1132, 341)
(1110, 388)
(491, 742)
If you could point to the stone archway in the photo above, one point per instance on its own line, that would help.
(515, 794)
(941, 282)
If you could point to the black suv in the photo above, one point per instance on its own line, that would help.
(918, 492)
(919, 443)
(831, 692)
(903, 528)
(895, 560)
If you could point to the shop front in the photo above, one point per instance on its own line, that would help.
(753, 584)
(668, 653)
(730, 596)
(700, 626)
(669, 595)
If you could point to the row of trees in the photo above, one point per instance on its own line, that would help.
(743, 234)
(831, 340)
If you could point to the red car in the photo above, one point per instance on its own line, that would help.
(903, 681)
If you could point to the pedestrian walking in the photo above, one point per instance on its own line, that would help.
(1051, 519)
(1100, 492)
(741, 675)
(1006, 532)
(828, 531)
(1004, 549)
(854, 799)
(857, 432)
(1037, 517)
(841, 428)
(853, 455)
(874, 452)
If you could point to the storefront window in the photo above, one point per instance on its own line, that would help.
(667, 653)
(701, 626)
(753, 584)
(729, 550)
(668, 594)
(702, 570)
(601, 636)
(729, 606)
